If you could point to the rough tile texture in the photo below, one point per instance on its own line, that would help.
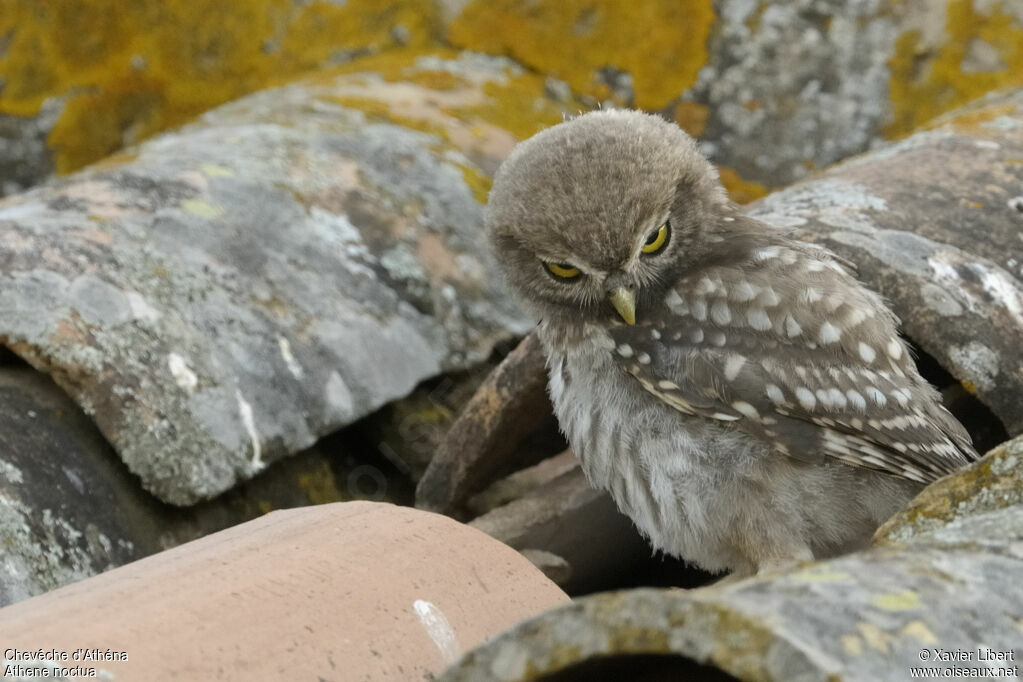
(774, 89)
(69, 507)
(355, 591)
(866, 616)
(992, 483)
(228, 293)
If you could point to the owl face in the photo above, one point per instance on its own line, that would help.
(594, 218)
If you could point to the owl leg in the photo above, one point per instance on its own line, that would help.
(767, 547)
(767, 565)
(780, 565)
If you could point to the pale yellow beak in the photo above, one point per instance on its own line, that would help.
(624, 301)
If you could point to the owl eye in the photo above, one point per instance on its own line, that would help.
(657, 239)
(562, 270)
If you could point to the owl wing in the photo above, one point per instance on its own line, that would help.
(830, 389)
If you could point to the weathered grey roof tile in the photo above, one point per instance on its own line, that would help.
(232, 291)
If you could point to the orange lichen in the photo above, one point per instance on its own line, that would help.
(926, 82)
(661, 44)
(691, 117)
(515, 102)
(739, 190)
(129, 69)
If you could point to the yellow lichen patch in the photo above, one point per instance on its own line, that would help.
(115, 160)
(919, 630)
(969, 387)
(319, 486)
(513, 101)
(875, 637)
(972, 121)
(661, 44)
(211, 170)
(476, 181)
(436, 80)
(898, 601)
(925, 82)
(392, 65)
(852, 645)
(129, 69)
(753, 19)
(203, 209)
(741, 191)
(691, 117)
(382, 111)
(517, 105)
(821, 574)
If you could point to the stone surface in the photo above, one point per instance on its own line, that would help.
(556, 568)
(864, 616)
(64, 514)
(489, 437)
(97, 75)
(521, 483)
(567, 517)
(409, 431)
(334, 592)
(774, 89)
(24, 157)
(226, 294)
(992, 483)
(933, 225)
(69, 508)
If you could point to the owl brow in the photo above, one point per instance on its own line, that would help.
(585, 268)
(650, 226)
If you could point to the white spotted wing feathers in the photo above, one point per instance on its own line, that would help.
(789, 348)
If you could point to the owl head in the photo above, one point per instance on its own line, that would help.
(594, 218)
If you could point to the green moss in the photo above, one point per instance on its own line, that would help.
(925, 83)
(661, 44)
(130, 69)
(319, 486)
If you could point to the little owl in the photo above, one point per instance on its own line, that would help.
(743, 398)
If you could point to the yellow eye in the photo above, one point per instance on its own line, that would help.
(562, 270)
(656, 241)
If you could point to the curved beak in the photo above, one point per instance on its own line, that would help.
(624, 301)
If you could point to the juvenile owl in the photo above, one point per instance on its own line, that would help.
(743, 398)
